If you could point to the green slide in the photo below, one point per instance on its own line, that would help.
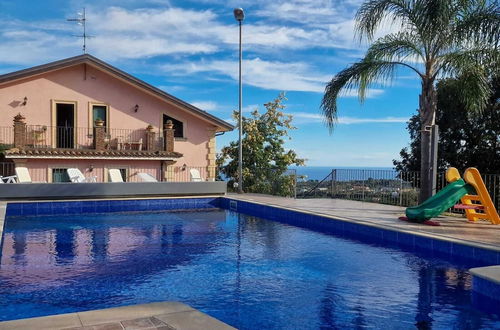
(443, 200)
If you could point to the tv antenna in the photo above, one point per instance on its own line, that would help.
(82, 20)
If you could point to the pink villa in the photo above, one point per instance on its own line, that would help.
(83, 113)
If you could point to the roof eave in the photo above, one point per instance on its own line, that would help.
(89, 59)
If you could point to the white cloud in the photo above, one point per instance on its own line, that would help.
(302, 118)
(122, 33)
(307, 117)
(367, 158)
(352, 120)
(206, 105)
(272, 75)
(292, 76)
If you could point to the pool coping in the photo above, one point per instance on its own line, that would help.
(489, 273)
(3, 211)
(169, 315)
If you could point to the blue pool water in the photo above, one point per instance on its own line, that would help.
(246, 271)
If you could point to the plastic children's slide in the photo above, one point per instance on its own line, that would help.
(440, 202)
(475, 198)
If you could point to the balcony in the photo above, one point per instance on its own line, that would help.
(44, 137)
(49, 140)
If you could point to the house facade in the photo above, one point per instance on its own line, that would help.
(83, 113)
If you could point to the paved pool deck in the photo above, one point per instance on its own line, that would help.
(162, 315)
(456, 229)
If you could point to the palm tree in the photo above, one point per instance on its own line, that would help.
(435, 38)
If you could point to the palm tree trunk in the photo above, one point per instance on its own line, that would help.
(427, 111)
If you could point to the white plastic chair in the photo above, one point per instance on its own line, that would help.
(115, 175)
(76, 176)
(195, 175)
(9, 179)
(146, 177)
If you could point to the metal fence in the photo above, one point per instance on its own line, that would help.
(273, 182)
(380, 186)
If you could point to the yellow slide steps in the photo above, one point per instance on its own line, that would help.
(485, 209)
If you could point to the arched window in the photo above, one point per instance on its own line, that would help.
(178, 126)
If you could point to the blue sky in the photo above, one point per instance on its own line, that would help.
(189, 49)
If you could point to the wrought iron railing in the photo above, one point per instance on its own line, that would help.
(380, 186)
(6, 137)
(60, 137)
(41, 136)
(274, 182)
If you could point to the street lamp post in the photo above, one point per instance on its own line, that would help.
(239, 15)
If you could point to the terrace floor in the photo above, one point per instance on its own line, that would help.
(162, 315)
(482, 234)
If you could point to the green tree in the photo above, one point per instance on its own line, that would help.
(265, 159)
(436, 38)
(466, 139)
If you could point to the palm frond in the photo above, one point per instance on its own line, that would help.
(472, 68)
(479, 22)
(360, 76)
(397, 47)
(373, 12)
(455, 63)
(475, 87)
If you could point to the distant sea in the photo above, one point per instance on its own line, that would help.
(320, 172)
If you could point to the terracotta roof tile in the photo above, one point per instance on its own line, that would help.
(89, 153)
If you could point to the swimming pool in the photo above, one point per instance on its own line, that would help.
(247, 271)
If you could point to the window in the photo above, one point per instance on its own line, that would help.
(60, 175)
(178, 126)
(100, 112)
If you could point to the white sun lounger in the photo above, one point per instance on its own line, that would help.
(115, 175)
(195, 175)
(146, 177)
(23, 175)
(76, 176)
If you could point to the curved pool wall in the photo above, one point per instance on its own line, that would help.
(418, 241)
(485, 293)
(486, 290)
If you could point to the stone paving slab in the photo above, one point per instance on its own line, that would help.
(162, 316)
(482, 234)
(3, 209)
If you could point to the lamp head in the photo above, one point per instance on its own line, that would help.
(239, 14)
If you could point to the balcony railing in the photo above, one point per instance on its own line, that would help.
(60, 137)
(38, 136)
(6, 137)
